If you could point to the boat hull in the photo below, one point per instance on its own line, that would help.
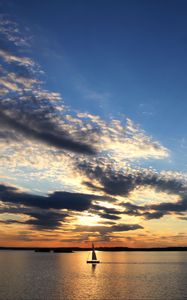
(93, 261)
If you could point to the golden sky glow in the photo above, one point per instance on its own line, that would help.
(70, 176)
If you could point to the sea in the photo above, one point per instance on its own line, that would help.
(120, 275)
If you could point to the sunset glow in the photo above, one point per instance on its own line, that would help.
(92, 126)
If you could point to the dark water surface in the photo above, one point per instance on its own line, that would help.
(121, 275)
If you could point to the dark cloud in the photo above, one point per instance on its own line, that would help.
(132, 209)
(107, 213)
(39, 218)
(45, 132)
(121, 183)
(165, 208)
(109, 216)
(25, 106)
(7, 188)
(112, 183)
(141, 210)
(106, 209)
(157, 211)
(46, 220)
(126, 227)
(153, 215)
(108, 229)
(179, 206)
(56, 200)
(43, 209)
(81, 202)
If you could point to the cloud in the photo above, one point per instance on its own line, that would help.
(104, 230)
(46, 212)
(11, 58)
(91, 94)
(121, 182)
(46, 220)
(58, 139)
(169, 207)
(124, 140)
(109, 216)
(55, 200)
(9, 85)
(31, 115)
(126, 227)
(106, 213)
(12, 32)
(22, 80)
(157, 211)
(38, 219)
(31, 111)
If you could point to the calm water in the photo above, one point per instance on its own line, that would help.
(122, 275)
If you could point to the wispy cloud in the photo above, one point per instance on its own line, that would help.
(29, 110)
(11, 58)
(91, 94)
(11, 31)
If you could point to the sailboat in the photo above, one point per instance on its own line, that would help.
(94, 257)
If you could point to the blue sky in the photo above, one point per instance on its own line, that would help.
(122, 60)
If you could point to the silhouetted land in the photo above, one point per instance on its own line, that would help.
(72, 249)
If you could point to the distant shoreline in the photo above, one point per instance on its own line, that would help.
(72, 249)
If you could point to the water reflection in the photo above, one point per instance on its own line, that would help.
(136, 275)
(94, 268)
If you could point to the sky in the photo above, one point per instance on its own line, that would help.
(93, 123)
